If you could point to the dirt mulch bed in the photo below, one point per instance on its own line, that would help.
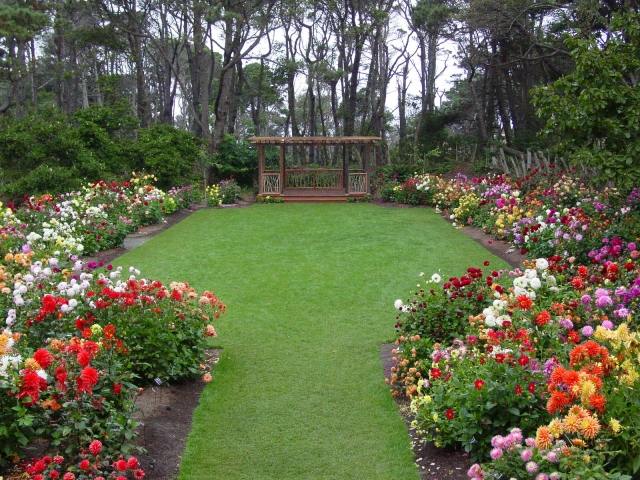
(165, 413)
(433, 463)
(499, 248)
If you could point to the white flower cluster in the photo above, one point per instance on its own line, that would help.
(526, 284)
(532, 280)
(8, 358)
(61, 229)
(494, 315)
(9, 361)
(400, 306)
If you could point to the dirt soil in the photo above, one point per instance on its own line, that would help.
(499, 248)
(165, 414)
(433, 463)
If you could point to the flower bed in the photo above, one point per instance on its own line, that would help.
(81, 339)
(533, 371)
(227, 192)
(543, 214)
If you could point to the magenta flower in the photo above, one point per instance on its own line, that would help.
(604, 301)
(552, 456)
(622, 312)
(526, 454)
(496, 453)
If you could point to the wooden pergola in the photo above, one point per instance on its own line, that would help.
(313, 182)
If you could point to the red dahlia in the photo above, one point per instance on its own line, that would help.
(43, 357)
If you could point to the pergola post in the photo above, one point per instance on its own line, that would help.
(345, 169)
(365, 158)
(260, 168)
(282, 171)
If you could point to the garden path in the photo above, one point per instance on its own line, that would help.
(299, 391)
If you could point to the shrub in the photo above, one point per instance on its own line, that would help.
(170, 153)
(109, 134)
(236, 159)
(167, 337)
(50, 152)
(229, 191)
(440, 311)
(44, 179)
(44, 153)
(70, 392)
(185, 196)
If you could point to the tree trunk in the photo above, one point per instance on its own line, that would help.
(402, 103)
(432, 53)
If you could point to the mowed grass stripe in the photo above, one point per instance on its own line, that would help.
(299, 391)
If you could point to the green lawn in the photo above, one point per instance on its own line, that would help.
(299, 391)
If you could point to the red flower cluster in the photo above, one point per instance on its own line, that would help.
(524, 302)
(590, 353)
(567, 386)
(543, 318)
(31, 385)
(43, 357)
(52, 468)
(48, 305)
(87, 380)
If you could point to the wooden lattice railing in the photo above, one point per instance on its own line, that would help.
(314, 178)
(270, 183)
(358, 182)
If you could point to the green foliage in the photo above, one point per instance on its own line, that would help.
(50, 152)
(168, 345)
(108, 133)
(432, 130)
(594, 112)
(398, 171)
(432, 14)
(236, 159)
(461, 410)
(170, 153)
(44, 178)
(442, 314)
(44, 152)
(269, 199)
(20, 21)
